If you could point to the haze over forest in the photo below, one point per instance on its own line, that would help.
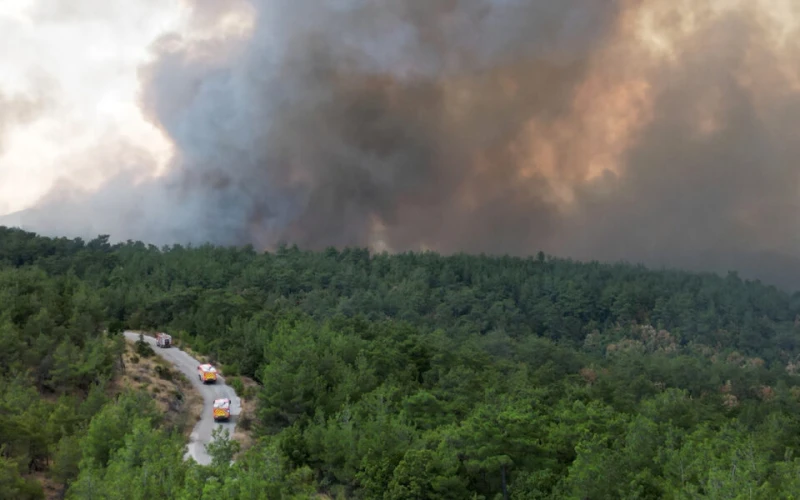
(658, 131)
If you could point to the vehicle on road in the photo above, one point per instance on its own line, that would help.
(202, 431)
(207, 373)
(163, 340)
(222, 409)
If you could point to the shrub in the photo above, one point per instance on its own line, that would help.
(237, 385)
(143, 349)
(163, 372)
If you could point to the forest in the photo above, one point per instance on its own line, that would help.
(400, 376)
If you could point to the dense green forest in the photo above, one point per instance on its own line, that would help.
(410, 376)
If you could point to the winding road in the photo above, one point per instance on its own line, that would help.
(201, 434)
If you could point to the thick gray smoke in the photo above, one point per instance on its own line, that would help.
(17, 109)
(471, 125)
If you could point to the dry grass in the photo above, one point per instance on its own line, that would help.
(52, 489)
(243, 432)
(247, 417)
(143, 373)
(174, 395)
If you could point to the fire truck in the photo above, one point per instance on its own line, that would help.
(163, 340)
(222, 409)
(206, 373)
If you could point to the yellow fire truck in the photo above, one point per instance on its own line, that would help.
(207, 373)
(222, 409)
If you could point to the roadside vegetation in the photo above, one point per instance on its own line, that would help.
(395, 377)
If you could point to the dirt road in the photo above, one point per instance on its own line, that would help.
(201, 434)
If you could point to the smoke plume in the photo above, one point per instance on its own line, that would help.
(660, 131)
(19, 109)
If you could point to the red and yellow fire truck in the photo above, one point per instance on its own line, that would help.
(222, 409)
(207, 373)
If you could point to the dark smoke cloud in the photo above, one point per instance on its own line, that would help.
(473, 125)
(334, 117)
(725, 199)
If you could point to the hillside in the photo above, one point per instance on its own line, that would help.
(70, 394)
(413, 375)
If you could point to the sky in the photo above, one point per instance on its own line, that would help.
(69, 85)
(655, 131)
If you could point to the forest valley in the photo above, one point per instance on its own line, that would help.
(408, 376)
